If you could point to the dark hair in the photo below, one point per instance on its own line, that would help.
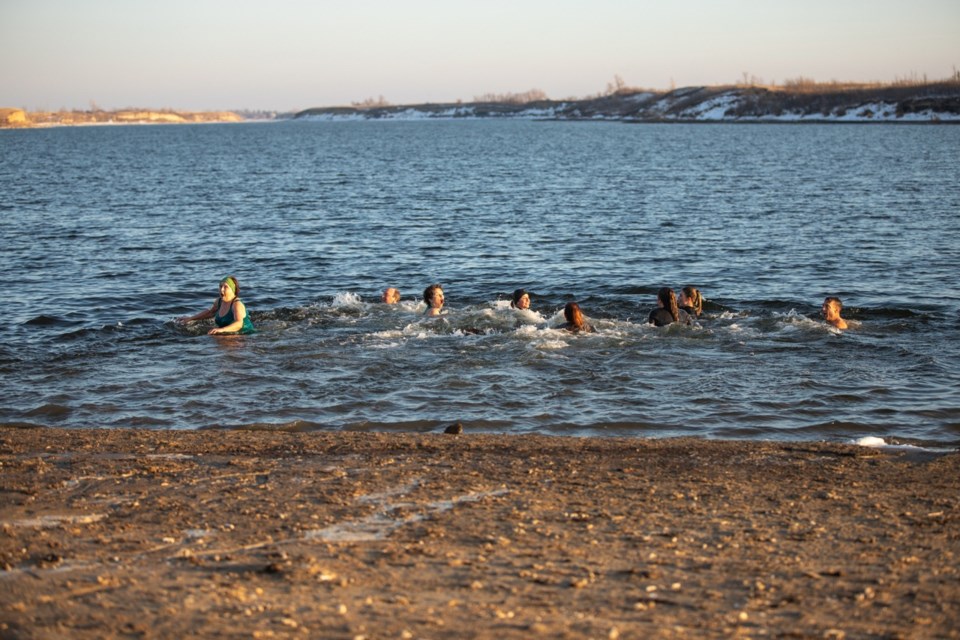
(519, 293)
(834, 299)
(573, 315)
(428, 293)
(669, 300)
(694, 297)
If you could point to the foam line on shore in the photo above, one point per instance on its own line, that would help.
(880, 443)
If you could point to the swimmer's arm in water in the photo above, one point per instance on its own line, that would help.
(203, 315)
(239, 313)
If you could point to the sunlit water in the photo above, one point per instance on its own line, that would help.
(109, 233)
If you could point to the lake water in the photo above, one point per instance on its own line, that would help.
(109, 233)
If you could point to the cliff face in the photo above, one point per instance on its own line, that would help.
(20, 118)
(13, 118)
(929, 103)
(175, 117)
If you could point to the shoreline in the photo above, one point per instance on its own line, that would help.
(64, 125)
(731, 121)
(135, 533)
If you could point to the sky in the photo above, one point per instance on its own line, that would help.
(288, 55)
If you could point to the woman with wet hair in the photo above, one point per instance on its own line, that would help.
(575, 322)
(227, 311)
(667, 311)
(691, 301)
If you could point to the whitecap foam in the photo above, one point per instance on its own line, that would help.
(389, 334)
(551, 345)
(794, 320)
(386, 345)
(530, 316)
(879, 443)
(346, 299)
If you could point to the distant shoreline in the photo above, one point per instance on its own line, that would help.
(22, 119)
(922, 123)
(932, 103)
(935, 103)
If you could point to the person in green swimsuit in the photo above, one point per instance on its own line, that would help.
(228, 312)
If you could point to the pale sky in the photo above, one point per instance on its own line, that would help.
(294, 54)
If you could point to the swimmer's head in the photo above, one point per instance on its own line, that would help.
(573, 314)
(832, 307)
(831, 312)
(668, 300)
(521, 299)
(433, 296)
(390, 295)
(690, 297)
(231, 283)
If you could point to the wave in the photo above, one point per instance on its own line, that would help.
(50, 410)
(608, 429)
(44, 320)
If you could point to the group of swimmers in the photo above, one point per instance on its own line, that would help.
(670, 310)
(230, 315)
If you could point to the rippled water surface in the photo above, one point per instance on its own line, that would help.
(109, 233)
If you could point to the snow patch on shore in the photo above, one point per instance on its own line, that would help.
(452, 113)
(712, 109)
(715, 108)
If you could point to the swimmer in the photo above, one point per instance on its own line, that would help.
(433, 296)
(521, 300)
(227, 311)
(575, 322)
(390, 296)
(831, 312)
(691, 301)
(667, 311)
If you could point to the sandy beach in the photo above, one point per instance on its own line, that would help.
(242, 534)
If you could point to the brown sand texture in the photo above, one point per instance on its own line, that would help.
(246, 534)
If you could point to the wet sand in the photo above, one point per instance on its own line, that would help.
(141, 534)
